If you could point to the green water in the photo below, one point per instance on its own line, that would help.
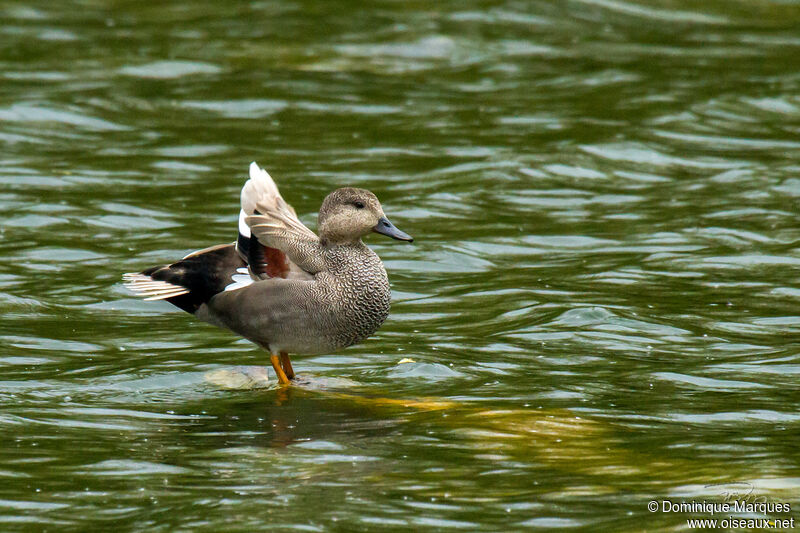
(601, 301)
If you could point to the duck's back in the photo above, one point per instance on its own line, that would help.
(342, 305)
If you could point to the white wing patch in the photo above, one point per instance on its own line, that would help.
(259, 188)
(244, 229)
(151, 289)
(240, 280)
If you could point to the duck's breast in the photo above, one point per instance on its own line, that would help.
(358, 293)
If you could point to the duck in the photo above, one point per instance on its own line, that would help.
(280, 285)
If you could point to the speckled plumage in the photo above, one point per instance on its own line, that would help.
(319, 295)
(343, 304)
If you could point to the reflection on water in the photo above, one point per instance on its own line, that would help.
(600, 305)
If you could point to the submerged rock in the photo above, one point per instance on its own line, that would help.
(239, 377)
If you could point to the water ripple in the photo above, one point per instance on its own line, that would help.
(599, 308)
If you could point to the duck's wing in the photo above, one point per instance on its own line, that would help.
(192, 281)
(271, 237)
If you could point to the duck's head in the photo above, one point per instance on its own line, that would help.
(348, 214)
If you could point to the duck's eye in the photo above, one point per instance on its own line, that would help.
(359, 205)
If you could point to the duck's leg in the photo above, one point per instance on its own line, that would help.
(287, 365)
(276, 366)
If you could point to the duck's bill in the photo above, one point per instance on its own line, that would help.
(384, 227)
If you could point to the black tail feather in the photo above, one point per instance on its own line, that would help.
(204, 273)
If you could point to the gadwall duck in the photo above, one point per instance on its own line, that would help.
(280, 285)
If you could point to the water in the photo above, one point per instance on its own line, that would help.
(601, 301)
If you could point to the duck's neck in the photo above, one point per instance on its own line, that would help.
(328, 242)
